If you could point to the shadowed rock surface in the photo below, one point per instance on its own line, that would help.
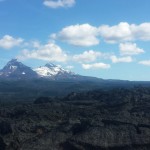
(116, 119)
(2, 144)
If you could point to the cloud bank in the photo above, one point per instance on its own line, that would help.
(88, 35)
(47, 52)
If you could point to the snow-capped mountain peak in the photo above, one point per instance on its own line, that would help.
(50, 65)
(12, 65)
(16, 69)
(51, 70)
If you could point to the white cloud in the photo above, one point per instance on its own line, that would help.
(145, 62)
(130, 49)
(36, 44)
(96, 66)
(59, 3)
(69, 67)
(87, 56)
(125, 32)
(8, 42)
(142, 31)
(78, 35)
(87, 35)
(48, 52)
(112, 34)
(116, 59)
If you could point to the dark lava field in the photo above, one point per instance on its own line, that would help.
(117, 119)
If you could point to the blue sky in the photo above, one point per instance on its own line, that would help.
(109, 39)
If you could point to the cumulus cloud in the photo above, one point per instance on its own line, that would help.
(87, 56)
(59, 3)
(112, 34)
(116, 59)
(125, 32)
(96, 66)
(141, 32)
(145, 62)
(8, 42)
(48, 52)
(130, 49)
(78, 35)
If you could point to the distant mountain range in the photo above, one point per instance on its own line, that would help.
(17, 70)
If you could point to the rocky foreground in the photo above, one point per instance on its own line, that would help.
(99, 120)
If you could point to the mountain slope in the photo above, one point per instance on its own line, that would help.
(17, 70)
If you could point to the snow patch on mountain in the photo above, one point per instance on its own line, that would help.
(17, 70)
(50, 70)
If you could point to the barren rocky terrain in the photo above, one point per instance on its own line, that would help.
(116, 119)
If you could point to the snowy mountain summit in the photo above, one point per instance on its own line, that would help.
(53, 71)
